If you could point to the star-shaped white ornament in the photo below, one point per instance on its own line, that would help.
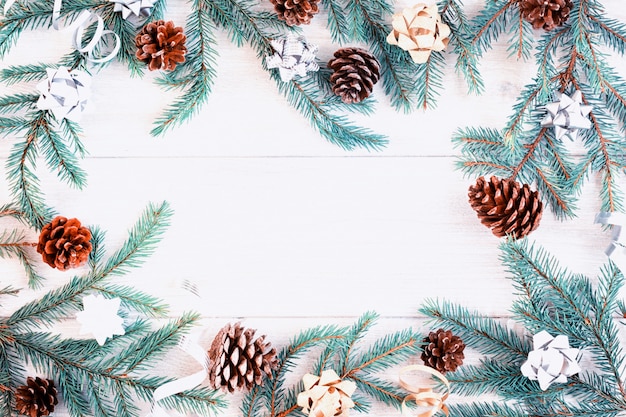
(551, 360)
(99, 317)
(136, 7)
(567, 116)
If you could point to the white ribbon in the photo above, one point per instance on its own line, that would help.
(190, 346)
(617, 248)
(80, 24)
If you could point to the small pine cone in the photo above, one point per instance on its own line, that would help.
(355, 71)
(443, 351)
(64, 243)
(161, 45)
(37, 398)
(546, 14)
(296, 12)
(238, 362)
(505, 206)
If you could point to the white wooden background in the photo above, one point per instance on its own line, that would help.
(279, 228)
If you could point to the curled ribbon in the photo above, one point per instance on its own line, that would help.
(191, 347)
(617, 240)
(82, 22)
(424, 397)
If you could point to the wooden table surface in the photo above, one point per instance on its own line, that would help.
(280, 229)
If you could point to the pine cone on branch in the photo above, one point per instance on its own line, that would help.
(546, 14)
(505, 206)
(237, 361)
(355, 71)
(443, 351)
(161, 45)
(64, 243)
(296, 12)
(37, 398)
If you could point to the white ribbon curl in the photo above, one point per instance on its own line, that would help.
(190, 346)
(617, 248)
(82, 22)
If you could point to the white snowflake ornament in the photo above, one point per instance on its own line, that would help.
(551, 360)
(567, 116)
(64, 93)
(138, 8)
(293, 57)
(99, 317)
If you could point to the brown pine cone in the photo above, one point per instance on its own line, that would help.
(37, 398)
(547, 14)
(64, 243)
(296, 12)
(161, 45)
(505, 206)
(238, 362)
(443, 351)
(355, 71)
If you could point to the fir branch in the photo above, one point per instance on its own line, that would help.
(490, 22)
(24, 73)
(482, 409)
(12, 244)
(430, 74)
(353, 335)
(480, 332)
(197, 75)
(17, 102)
(337, 21)
(10, 210)
(380, 390)
(491, 376)
(126, 31)
(134, 299)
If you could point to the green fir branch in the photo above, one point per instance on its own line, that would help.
(16, 103)
(196, 76)
(12, 245)
(24, 74)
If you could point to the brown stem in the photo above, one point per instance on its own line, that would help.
(26, 244)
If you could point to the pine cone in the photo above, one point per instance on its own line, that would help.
(161, 45)
(64, 243)
(545, 13)
(37, 398)
(505, 206)
(355, 71)
(296, 12)
(443, 351)
(238, 362)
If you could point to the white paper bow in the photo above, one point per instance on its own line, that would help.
(64, 93)
(326, 395)
(567, 116)
(136, 7)
(551, 360)
(99, 317)
(293, 57)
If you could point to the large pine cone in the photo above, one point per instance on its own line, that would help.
(64, 243)
(296, 12)
(547, 14)
(37, 398)
(161, 45)
(238, 362)
(505, 206)
(355, 71)
(443, 351)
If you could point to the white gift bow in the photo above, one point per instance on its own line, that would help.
(79, 26)
(617, 248)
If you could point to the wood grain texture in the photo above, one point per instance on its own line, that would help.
(279, 228)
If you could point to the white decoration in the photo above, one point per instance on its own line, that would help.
(99, 317)
(136, 7)
(64, 93)
(294, 56)
(551, 360)
(567, 116)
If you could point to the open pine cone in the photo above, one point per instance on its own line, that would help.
(237, 361)
(505, 206)
(161, 45)
(296, 12)
(37, 398)
(546, 14)
(64, 243)
(355, 71)
(443, 351)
